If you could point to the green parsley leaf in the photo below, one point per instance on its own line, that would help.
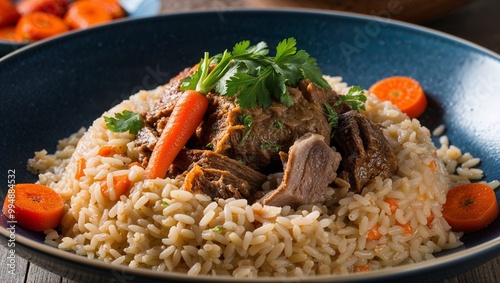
(285, 48)
(164, 203)
(274, 146)
(253, 77)
(331, 116)
(278, 124)
(250, 90)
(355, 97)
(125, 121)
(311, 71)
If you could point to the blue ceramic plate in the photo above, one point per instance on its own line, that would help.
(52, 88)
(134, 9)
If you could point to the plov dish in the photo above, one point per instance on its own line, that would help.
(369, 195)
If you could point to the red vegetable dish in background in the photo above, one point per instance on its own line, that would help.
(18, 22)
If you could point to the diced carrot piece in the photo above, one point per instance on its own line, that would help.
(393, 205)
(81, 164)
(407, 228)
(106, 150)
(121, 185)
(362, 268)
(373, 234)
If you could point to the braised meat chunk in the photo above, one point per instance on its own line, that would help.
(310, 166)
(255, 136)
(365, 151)
(217, 175)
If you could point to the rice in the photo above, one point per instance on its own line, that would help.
(160, 226)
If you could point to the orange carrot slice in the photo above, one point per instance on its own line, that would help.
(8, 13)
(35, 207)
(470, 207)
(83, 14)
(54, 7)
(404, 92)
(113, 8)
(40, 25)
(9, 34)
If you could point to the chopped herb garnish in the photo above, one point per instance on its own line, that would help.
(125, 121)
(247, 122)
(266, 145)
(278, 124)
(331, 116)
(218, 229)
(253, 77)
(355, 97)
(210, 145)
(164, 203)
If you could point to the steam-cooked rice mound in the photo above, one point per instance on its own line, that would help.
(159, 225)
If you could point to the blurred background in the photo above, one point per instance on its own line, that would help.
(475, 20)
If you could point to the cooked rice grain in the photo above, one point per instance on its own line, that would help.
(159, 225)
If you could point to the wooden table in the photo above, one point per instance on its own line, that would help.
(477, 21)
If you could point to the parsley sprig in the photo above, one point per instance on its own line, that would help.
(252, 76)
(331, 116)
(124, 121)
(355, 98)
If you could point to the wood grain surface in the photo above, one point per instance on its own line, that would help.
(477, 21)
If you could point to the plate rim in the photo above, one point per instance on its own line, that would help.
(400, 270)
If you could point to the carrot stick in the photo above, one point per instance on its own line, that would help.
(35, 207)
(182, 123)
(121, 185)
(470, 207)
(404, 92)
